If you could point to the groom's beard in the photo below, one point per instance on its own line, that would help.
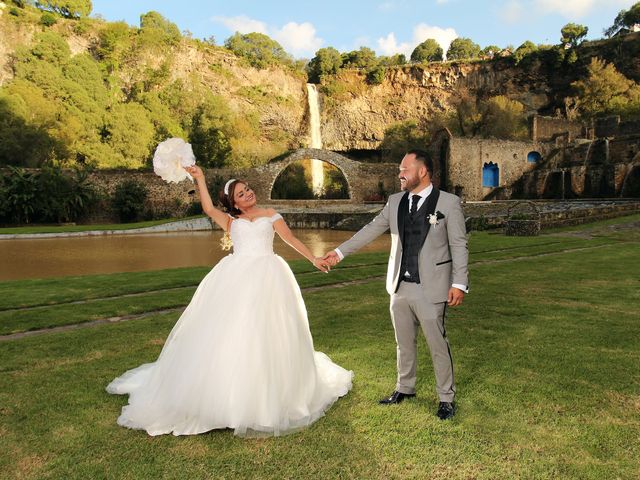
(407, 185)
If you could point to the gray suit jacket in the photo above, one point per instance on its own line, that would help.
(444, 256)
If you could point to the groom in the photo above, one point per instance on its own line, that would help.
(427, 271)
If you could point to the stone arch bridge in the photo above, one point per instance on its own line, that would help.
(362, 178)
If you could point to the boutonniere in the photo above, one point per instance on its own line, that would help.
(434, 217)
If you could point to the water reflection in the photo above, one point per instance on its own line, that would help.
(58, 257)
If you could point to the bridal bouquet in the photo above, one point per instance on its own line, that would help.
(169, 158)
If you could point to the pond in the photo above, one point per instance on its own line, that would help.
(59, 257)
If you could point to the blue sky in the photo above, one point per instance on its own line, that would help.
(387, 26)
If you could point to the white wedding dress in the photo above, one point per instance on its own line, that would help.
(241, 355)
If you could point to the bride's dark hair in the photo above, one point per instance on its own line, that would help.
(227, 203)
(227, 200)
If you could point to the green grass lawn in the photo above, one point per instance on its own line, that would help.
(546, 352)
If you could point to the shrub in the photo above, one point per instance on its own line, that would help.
(47, 19)
(128, 200)
(376, 75)
(19, 190)
(258, 49)
(48, 195)
(194, 208)
(335, 184)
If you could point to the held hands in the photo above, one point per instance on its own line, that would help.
(321, 264)
(331, 258)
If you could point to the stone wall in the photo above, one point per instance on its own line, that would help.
(164, 199)
(547, 129)
(466, 158)
(599, 168)
(613, 127)
(173, 200)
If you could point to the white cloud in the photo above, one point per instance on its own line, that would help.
(389, 45)
(298, 38)
(242, 24)
(444, 36)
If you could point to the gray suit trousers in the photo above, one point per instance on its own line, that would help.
(410, 309)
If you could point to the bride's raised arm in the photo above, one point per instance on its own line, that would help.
(218, 216)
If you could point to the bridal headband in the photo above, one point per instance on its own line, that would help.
(227, 185)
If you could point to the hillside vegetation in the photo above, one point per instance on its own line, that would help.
(77, 90)
(81, 90)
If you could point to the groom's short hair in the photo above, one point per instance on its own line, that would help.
(424, 158)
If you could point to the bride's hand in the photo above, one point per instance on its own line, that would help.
(321, 264)
(195, 171)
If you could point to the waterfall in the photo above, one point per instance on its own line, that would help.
(317, 169)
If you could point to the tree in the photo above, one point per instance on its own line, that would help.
(468, 117)
(428, 51)
(490, 51)
(129, 132)
(293, 183)
(22, 142)
(52, 48)
(524, 50)
(208, 135)
(327, 61)
(128, 200)
(396, 59)
(606, 91)
(259, 49)
(624, 19)
(67, 8)
(158, 29)
(401, 137)
(376, 75)
(113, 40)
(503, 118)
(364, 57)
(572, 33)
(463, 48)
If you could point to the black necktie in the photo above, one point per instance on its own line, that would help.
(414, 204)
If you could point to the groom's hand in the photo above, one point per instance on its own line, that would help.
(455, 297)
(331, 258)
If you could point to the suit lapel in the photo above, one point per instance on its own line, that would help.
(432, 201)
(403, 206)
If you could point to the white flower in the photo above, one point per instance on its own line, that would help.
(169, 158)
(433, 219)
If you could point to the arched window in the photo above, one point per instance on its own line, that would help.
(490, 175)
(534, 157)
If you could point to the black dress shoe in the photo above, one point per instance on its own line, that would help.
(446, 410)
(396, 397)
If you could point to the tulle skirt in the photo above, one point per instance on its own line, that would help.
(241, 356)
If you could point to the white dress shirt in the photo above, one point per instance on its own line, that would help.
(424, 193)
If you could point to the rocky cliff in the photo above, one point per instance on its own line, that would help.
(354, 114)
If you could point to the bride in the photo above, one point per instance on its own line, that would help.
(241, 355)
